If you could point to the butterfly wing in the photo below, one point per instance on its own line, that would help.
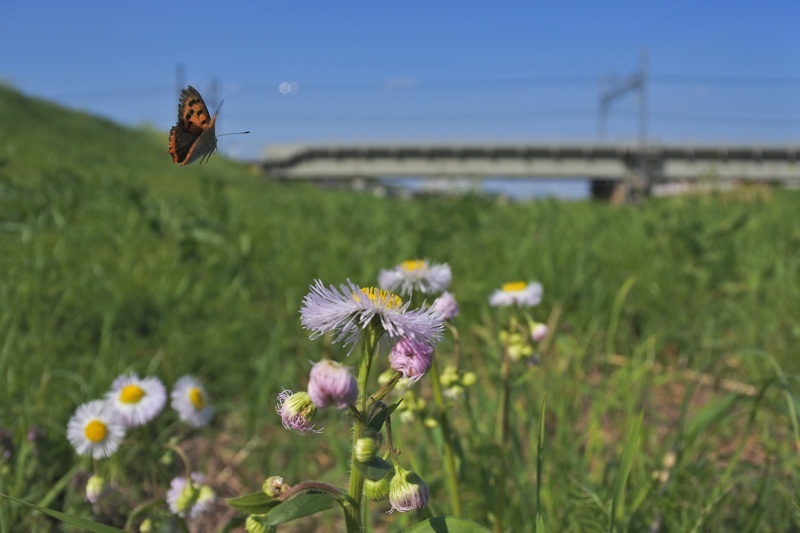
(194, 136)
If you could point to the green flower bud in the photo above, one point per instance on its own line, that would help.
(297, 411)
(455, 393)
(366, 448)
(378, 491)
(254, 525)
(95, 489)
(518, 351)
(274, 486)
(407, 491)
(469, 379)
(206, 495)
(187, 498)
(449, 376)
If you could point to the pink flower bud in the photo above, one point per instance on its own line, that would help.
(331, 383)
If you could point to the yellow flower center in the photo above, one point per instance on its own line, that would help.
(131, 394)
(95, 431)
(515, 286)
(197, 398)
(413, 265)
(382, 298)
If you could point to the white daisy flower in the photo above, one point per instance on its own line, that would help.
(518, 293)
(350, 309)
(137, 400)
(95, 429)
(417, 275)
(190, 400)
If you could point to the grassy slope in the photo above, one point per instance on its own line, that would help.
(115, 259)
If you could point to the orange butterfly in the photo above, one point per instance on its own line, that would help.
(193, 137)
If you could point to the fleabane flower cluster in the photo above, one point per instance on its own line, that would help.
(349, 309)
(518, 293)
(416, 275)
(189, 497)
(97, 427)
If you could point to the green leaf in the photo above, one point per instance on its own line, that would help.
(88, 525)
(255, 503)
(631, 447)
(377, 421)
(304, 504)
(374, 470)
(445, 524)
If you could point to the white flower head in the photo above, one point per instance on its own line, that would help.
(416, 275)
(95, 429)
(137, 400)
(190, 401)
(349, 310)
(518, 293)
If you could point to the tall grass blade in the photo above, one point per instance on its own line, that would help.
(539, 467)
(88, 525)
(631, 447)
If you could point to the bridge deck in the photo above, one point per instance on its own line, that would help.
(612, 162)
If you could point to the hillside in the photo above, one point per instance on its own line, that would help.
(114, 259)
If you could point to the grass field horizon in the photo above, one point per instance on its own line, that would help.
(681, 312)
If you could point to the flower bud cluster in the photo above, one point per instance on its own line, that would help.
(516, 344)
(412, 407)
(455, 382)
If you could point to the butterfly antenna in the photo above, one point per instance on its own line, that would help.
(234, 133)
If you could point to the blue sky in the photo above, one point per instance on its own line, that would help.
(418, 71)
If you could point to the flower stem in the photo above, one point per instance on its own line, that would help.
(447, 437)
(503, 438)
(352, 512)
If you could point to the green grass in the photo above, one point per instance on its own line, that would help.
(115, 259)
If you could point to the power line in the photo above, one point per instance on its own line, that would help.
(513, 116)
(415, 84)
(722, 80)
(556, 81)
(474, 116)
(111, 94)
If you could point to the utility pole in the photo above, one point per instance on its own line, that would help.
(643, 99)
(615, 89)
